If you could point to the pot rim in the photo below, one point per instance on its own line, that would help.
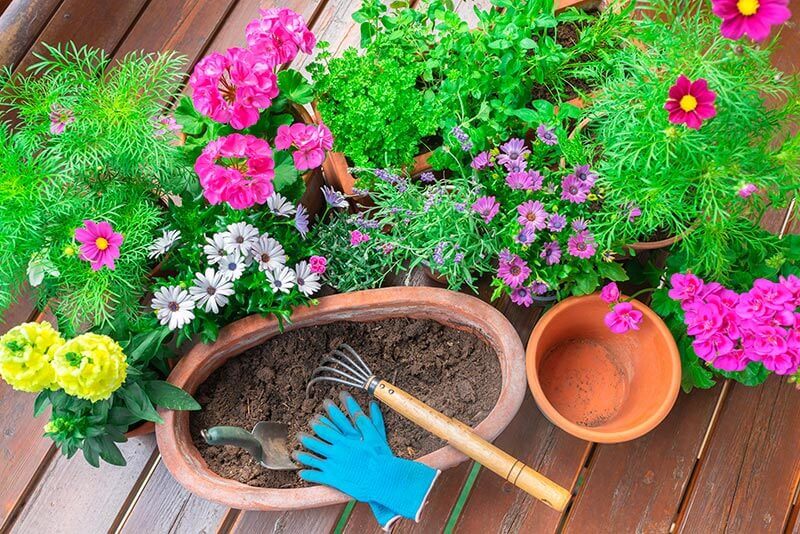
(583, 432)
(456, 310)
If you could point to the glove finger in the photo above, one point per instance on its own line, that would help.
(339, 419)
(309, 460)
(362, 422)
(316, 446)
(350, 404)
(326, 433)
(313, 476)
(376, 416)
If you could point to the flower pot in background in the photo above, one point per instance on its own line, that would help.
(447, 307)
(597, 385)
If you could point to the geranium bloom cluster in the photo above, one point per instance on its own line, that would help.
(236, 169)
(278, 34)
(730, 330)
(230, 254)
(310, 140)
(622, 316)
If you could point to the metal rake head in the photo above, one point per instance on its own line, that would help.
(342, 366)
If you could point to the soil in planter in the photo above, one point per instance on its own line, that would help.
(453, 371)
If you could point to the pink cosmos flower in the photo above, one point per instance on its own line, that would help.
(513, 271)
(99, 244)
(318, 264)
(233, 87)
(610, 293)
(521, 296)
(237, 169)
(582, 245)
(278, 35)
(357, 237)
(60, 118)
(311, 141)
(486, 207)
(753, 18)
(532, 213)
(690, 102)
(747, 190)
(574, 190)
(623, 317)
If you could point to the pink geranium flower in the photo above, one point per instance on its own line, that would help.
(233, 87)
(690, 102)
(99, 244)
(753, 18)
(318, 264)
(278, 35)
(357, 237)
(623, 317)
(610, 293)
(237, 169)
(311, 142)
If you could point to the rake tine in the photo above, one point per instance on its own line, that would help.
(322, 368)
(358, 358)
(356, 372)
(358, 363)
(332, 379)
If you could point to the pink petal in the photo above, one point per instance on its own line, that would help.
(733, 28)
(83, 235)
(684, 84)
(693, 121)
(706, 111)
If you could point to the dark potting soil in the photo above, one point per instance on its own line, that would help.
(453, 371)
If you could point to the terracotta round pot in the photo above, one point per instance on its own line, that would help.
(597, 385)
(642, 246)
(447, 307)
(141, 429)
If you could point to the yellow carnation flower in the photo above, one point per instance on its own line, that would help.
(90, 366)
(25, 354)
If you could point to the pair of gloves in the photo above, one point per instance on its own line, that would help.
(352, 455)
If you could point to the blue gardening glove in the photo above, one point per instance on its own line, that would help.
(339, 421)
(360, 463)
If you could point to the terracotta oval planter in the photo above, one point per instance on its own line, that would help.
(597, 385)
(642, 246)
(447, 307)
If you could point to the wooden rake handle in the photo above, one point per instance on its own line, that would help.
(461, 437)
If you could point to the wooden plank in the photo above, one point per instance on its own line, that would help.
(165, 507)
(334, 24)
(638, 486)
(318, 521)
(747, 478)
(21, 21)
(76, 497)
(86, 23)
(495, 506)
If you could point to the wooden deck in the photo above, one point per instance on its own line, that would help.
(725, 460)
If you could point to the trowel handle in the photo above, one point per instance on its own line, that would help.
(233, 435)
(461, 437)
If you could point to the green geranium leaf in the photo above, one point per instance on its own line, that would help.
(166, 395)
(295, 87)
(695, 374)
(754, 374)
(190, 120)
(613, 271)
(287, 179)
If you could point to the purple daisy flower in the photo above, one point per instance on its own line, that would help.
(519, 180)
(532, 213)
(333, 197)
(574, 190)
(546, 135)
(513, 150)
(579, 224)
(482, 161)
(551, 253)
(582, 245)
(585, 175)
(633, 211)
(536, 180)
(486, 207)
(301, 220)
(526, 236)
(556, 222)
(539, 288)
(521, 296)
(513, 272)
(505, 255)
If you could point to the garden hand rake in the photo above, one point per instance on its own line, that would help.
(344, 366)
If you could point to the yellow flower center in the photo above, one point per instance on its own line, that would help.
(102, 244)
(69, 251)
(688, 103)
(748, 7)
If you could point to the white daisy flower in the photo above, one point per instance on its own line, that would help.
(211, 290)
(268, 253)
(279, 205)
(281, 279)
(307, 281)
(232, 266)
(214, 249)
(161, 245)
(173, 306)
(240, 237)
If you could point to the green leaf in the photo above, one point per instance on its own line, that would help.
(295, 87)
(666, 307)
(110, 452)
(527, 116)
(190, 120)
(287, 180)
(166, 395)
(41, 403)
(139, 403)
(143, 347)
(694, 373)
(528, 44)
(754, 374)
(613, 271)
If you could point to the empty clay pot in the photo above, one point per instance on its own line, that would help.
(597, 385)
(447, 307)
